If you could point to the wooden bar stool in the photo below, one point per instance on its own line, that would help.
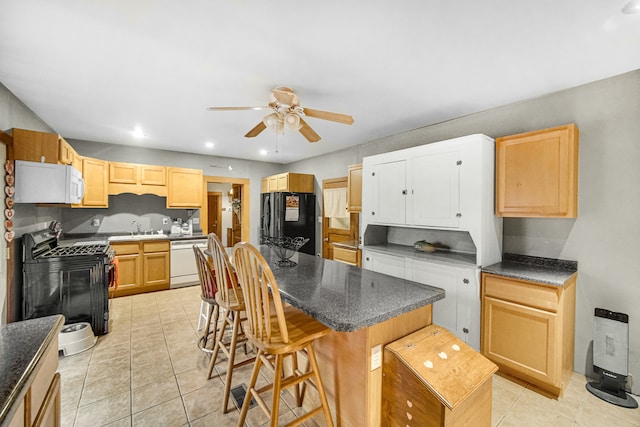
(230, 300)
(208, 296)
(277, 332)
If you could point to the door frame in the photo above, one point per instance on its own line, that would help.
(218, 229)
(245, 228)
(351, 233)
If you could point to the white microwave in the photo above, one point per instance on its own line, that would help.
(47, 183)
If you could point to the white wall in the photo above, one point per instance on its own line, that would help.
(604, 238)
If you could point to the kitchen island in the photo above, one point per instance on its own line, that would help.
(29, 385)
(366, 311)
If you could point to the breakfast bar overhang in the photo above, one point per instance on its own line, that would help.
(366, 311)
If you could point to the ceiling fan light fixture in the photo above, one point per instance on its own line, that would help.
(292, 121)
(632, 7)
(274, 123)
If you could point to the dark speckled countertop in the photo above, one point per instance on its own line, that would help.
(344, 297)
(535, 269)
(22, 344)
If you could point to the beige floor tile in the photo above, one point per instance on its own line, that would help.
(110, 352)
(203, 401)
(124, 422)
(68, 416)
(147, 374)
(597, 412)
(75, 362)
(104, 411)
(194, 379)
(109, 367)
(217, 419)
(152, 394)
(101, 388)
(188, 359)
(167, 414)
(157, 354)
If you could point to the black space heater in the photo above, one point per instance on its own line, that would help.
(611, 358)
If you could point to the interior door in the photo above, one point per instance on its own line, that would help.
(333, 231)
(214, 213)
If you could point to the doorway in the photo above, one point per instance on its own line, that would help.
(336, 229)
(239, 203)
(214, 216)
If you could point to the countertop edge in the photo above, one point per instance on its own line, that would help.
(21, 387)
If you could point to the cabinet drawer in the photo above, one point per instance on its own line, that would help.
(348, 256)
(522, 292)
(162, 246)
(126, 248)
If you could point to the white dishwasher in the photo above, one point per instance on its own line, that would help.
(183, 263)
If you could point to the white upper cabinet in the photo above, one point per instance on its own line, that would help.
(386, 192)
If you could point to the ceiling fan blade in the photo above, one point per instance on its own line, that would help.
(238, 108)
(256, 130)
(307, 132)
(327, 115)
(285, 95)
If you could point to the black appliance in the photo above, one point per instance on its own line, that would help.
(286, 214)
(68, 280)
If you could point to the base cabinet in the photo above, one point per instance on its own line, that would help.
(142, 267)
(528, 330)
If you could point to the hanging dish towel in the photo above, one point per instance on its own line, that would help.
(335, 202)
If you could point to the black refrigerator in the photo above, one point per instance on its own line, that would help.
(286, 214)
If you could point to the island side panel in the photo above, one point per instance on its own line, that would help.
(354, 391)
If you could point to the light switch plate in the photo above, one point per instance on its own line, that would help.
(376, 357)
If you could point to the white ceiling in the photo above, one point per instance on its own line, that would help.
(95, 70)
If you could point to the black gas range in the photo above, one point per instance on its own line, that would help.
(72, 280)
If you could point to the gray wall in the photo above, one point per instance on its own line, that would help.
(604, 238)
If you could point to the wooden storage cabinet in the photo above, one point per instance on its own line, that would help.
(347, 255)
(528, 330)
(185, 188)
(288, 181)
(144, 266)
(354, 188)
(35, 146)
(537, 173)
(95, 174)
(137, 179)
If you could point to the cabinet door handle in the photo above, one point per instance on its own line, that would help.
(465, 281)
(373, 213)
(404, 192)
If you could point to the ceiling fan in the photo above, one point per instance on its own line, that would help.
(287, 112)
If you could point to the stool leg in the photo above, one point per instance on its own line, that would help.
(277, 384)
(231, 361)
(252, 384)
(218, 341)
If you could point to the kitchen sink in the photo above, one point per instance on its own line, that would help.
(138, 237)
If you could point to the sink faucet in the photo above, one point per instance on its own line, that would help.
(135, 228)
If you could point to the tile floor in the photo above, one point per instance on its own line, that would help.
(147, 371)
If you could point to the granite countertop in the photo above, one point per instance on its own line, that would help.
(70, 239)
(344, 297)
(548, 271)
(439, 256)
(22, 344)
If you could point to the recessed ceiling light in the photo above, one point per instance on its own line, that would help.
(209, 144)
(138, 132)
(263, 152)
(632, 7)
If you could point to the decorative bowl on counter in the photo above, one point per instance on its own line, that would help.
(285, 247)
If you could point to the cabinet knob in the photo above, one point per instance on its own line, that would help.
(465, 281)
(404, 192)
(465, 330)
(373, 213)
(367, 258)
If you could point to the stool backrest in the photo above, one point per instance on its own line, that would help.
(225, 277)
(207, 282)
(261, 295)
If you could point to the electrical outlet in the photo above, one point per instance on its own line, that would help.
(320, 219)
(196, 220)
(95, 222)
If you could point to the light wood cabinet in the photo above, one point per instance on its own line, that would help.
(94, 173)
(185, 188)
(41, 404)
(354, 188)
(537, 173)
(137, 179)
(351, 256)
(143, 266)
(528, 330)
(288, 181)
(35, 146)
